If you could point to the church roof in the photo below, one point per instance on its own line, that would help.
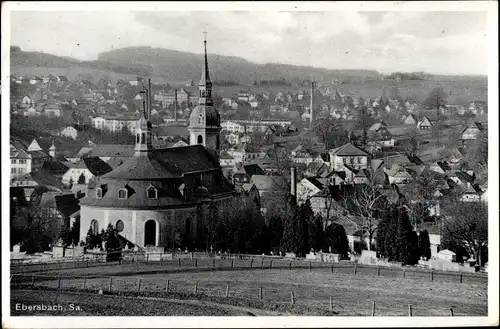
(349, 150)
(204, 116)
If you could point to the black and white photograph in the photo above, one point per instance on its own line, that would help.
(249, 164)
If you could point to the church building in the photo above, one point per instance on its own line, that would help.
(157, 197)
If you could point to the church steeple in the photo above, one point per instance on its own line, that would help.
(143, 127)
(205, 85)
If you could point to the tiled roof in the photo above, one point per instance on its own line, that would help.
(65, 203)
(349, 150)
(41, 179)
(267, 183)
(95, 165)
(111, 150)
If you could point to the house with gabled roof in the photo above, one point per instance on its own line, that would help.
(397, 174)
(410, 119)
(88, 168)
(349, 154)
(424, 123)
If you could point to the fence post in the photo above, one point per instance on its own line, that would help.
(404, 274)
(59, 264)
(251, 263)
(196, 262)
(409, 309)
(332, 267)
(139, 285)
(260, 293)
(227, 290)
(293, 297)
(310, 267)
(461, 277)
(378, 270)
(87, 263)
(110, 283)
(451, 311)
(331, 303)
(262, 263)
(179, 262)
(84, 282)
(432, 275)
(43, 266)
(355, 268)
(271, 264)
(373, 308)
(32, 281)
(232, 263)
(196, 287)
(290, 265)
(147, 258)
(59, 283)
(213, 263)
(167, 286)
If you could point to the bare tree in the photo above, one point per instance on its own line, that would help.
(467, 226)
(367, 203)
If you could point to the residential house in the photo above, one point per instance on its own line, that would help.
(26, 100)
(136, 81)
(26, 159)
(424, 124)
(397, 174)
(61, 209)
(87, 168)
(351, 155)
(471, 132)
(470, 195)
(410, 119)
(70, 132)
(380, 138)
(29, 187)
(254, 103)
(246, 172)
(226, 160)
(115, 123)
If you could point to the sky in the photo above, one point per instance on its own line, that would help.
(433, 42)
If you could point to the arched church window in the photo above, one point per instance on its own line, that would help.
(217, 142)
(137, 139)
(200, 119)
(94, 226)
(200, 139)
(143, 137)
(119, 225)
(98, 193)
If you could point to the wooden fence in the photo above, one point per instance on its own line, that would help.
(156, 263)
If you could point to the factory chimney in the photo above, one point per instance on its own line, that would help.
(293, 186)
(175, 105)
(311, 106)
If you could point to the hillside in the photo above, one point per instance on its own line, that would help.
(177, 65)
(164, 65)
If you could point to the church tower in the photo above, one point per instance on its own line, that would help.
(143, 128)
(204, 121)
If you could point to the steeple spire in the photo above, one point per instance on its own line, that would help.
(205, 85)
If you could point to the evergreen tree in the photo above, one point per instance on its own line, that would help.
(403, 239)
(305, 214)
(424, 244)
(275, 230)
(289, 239)
(316, 233)
(414, 250)
(336, 239)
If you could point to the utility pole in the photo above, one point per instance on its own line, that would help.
(311, 106)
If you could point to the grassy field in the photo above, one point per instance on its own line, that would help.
(351, 294)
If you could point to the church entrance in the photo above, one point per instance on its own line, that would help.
(150, 233)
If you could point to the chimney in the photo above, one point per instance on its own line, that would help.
(311, 105)
(175, 105)
(293, 185)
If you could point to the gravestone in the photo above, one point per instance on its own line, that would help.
(16, 249)
(311, 256)
(368, 257)
(290, 255)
